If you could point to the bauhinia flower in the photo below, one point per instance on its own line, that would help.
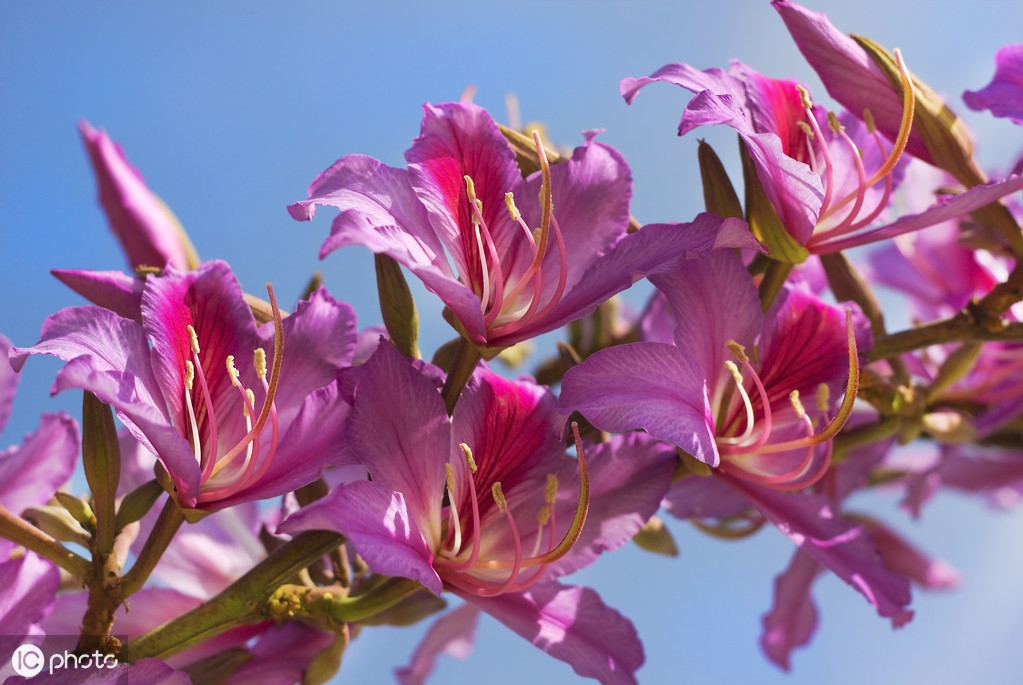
(726, 391)
(486, 504)
(1004, 95)
(728, 388)
(828, 178)
(526, 255)
(231, 415)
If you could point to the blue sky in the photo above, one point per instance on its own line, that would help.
(230, 109)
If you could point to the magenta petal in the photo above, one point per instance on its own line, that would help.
(848, 72)
(572, 623)
(146, 229)
(703, 498)
(845, 548)
(947, 209)
(903, 558)
(114, 290)
(713, 301)
(629, 476)
(400, 430)
(209, 299)
(792, 619)
(8, 382)
(28, 588)
(378, 523)
(652, 386)
(31, 472)
(313, 440)
(319, 339)
(459, 139)
(1004, 95)
(656, 249)
(453, 634)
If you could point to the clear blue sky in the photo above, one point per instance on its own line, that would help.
(230, 109)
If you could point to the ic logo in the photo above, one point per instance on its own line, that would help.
(27, 660)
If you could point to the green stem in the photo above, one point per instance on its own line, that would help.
(171, 518)
(21, 532)
(242, 602)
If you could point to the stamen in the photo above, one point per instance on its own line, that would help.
(499, 499)
(267, 412)
(574, 529)
(468, 456)
(474, 551)
(232, 372)
(844, 410)
(259, 361)
(194, 339)
(509, 201)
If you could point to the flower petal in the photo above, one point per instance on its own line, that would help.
(811, 522)
(652, 386)
(572, 623)
(378, 523)
(792, 619)
(453, 634)
(1004, 95)
(31, 472)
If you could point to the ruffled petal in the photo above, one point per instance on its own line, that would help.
(378, 523)
(846, 548)
(572, 623)
(652, 386)
(400, 430)
(453, 634)
(31, 472)
(792, 620)
(114, 290)
(1004, 95)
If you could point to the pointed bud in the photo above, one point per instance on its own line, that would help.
(944, 134)
(137, 503)
(719, 196)
(78, 508)
(655, 537)
(56, 522)
(763, 218)
(101, 459)
(954, 368)
(397, 307)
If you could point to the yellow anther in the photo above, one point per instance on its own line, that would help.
(797, 404)
(499, 499)
(544, 516)
(868, 119)
(189, 374)
(470, 190)
(509, 201)
(194, 339)
(468, 456)
(807, 129)
(231, 371)
(550, 493)
(252, 401)
(823, 397)
(734, 370)
(449, 477)
(259, 361)
(834, 123)
(804, 97)
(738, 350)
